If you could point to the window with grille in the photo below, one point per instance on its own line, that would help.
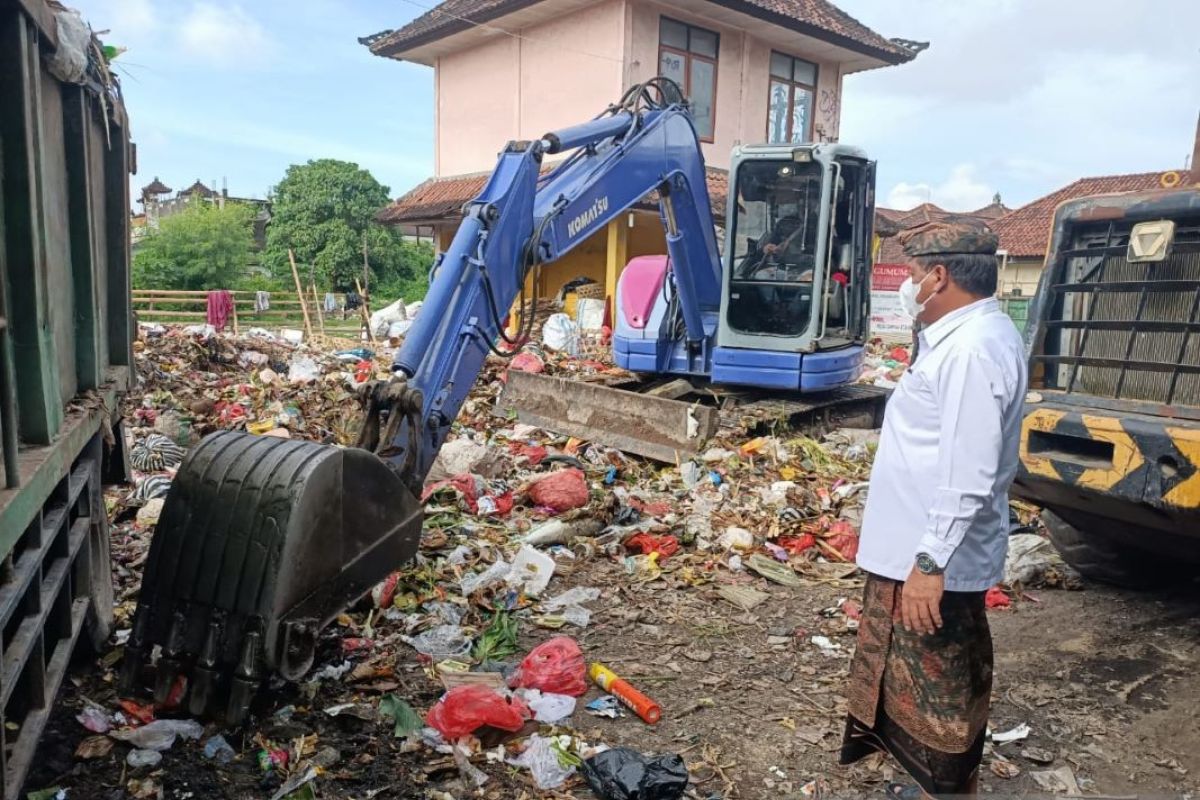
(790, 102)
(688, 56)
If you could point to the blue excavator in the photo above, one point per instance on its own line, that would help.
(263, 541)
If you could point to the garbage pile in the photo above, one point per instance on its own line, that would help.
(561, 589)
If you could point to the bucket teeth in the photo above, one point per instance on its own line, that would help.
(245, 680)
(204, 676)
(170, 665)
(135, 650)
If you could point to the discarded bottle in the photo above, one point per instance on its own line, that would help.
(637, 702)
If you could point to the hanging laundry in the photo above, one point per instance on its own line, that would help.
(262, 302)
(331, 304)
(220, 308)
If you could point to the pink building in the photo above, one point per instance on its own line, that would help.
(754, 71)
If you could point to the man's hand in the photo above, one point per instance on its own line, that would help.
(921, 601)
(770, 249)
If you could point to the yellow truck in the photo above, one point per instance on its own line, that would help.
(1110, 446)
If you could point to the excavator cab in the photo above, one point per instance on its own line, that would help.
(798, 248)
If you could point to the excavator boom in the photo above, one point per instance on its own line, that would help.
(263, 541)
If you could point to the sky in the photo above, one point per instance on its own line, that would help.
(1013, 96)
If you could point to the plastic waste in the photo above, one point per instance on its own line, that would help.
(691, 473)
(465, 709)
(634, 700)
(624, 774)
(549, 707)
(444, 641)
(541, 758)
(531, 571)
(143, 758)
(528, 362)
(736, 539)
(94, 719)
(571, 604)
(556, 531)
(491, 576)
(464, 455)
(219, 750)
(556, 666)
(303, 370)
(385, 317)
(606, 706)
(160, 734)
(561, 333)
(564, 490)
(68, 61)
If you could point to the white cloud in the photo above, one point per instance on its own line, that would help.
(133, 18)
(224, 36)
(961, 191)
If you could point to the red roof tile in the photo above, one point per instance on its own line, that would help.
(818, 18)
(1025, 233)
(994, 210)
(442, 199)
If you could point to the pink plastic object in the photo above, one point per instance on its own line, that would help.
(641, 283)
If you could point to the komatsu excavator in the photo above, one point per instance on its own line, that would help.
(263, 541)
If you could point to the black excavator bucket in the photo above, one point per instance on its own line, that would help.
(261, 543)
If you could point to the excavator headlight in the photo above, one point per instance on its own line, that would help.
(802, 155)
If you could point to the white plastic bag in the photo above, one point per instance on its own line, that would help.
(385, 317)
(303, 370)
(560, 333)
(541, 759)
(69, 61)
(590, 314)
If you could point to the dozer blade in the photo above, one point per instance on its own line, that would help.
(655, 427)
(261, 543)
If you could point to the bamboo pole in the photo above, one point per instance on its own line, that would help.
(366, 312)
(320, 309)
(300, 293)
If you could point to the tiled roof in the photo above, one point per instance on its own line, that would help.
(1025, 232)
(818, 18)
(894, 221)
(442, 199)
(197, 188)
(155, 187)
(926, 212)
(994, 210)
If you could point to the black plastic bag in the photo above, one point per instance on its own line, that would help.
(624, 774)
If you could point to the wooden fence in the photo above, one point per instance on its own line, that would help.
(285, 311)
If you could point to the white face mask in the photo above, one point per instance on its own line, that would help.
(908, 296)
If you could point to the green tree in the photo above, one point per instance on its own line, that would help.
(202, 247)
(323, 211)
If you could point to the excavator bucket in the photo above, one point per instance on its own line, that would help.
(262, 541)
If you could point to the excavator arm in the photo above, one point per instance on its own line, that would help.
(263, 541)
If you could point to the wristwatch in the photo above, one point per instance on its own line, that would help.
(927, 566)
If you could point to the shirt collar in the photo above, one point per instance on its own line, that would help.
(938, 331)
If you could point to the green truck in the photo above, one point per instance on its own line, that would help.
(66, 355)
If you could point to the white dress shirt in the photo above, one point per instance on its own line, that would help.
(948, 453)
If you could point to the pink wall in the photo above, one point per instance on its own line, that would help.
(742, 79)
(567, 69)
(561, 72)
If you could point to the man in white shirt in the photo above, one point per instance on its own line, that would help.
(935, 529)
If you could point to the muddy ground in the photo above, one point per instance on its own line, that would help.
(1104, 678)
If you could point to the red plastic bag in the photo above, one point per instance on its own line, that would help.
(647, 543)
(465, 709)
(996, 597)
(555, 666)
(561, 491)
(797, 544)
(527, 362)
(844, 539)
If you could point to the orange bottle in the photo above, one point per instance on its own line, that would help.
(619, 688)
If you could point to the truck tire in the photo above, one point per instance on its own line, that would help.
(1102, 558)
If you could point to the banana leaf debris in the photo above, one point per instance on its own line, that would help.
(722, 587)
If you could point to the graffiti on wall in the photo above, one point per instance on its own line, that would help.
(829, 112)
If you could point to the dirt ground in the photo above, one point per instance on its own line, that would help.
(1103, 678)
